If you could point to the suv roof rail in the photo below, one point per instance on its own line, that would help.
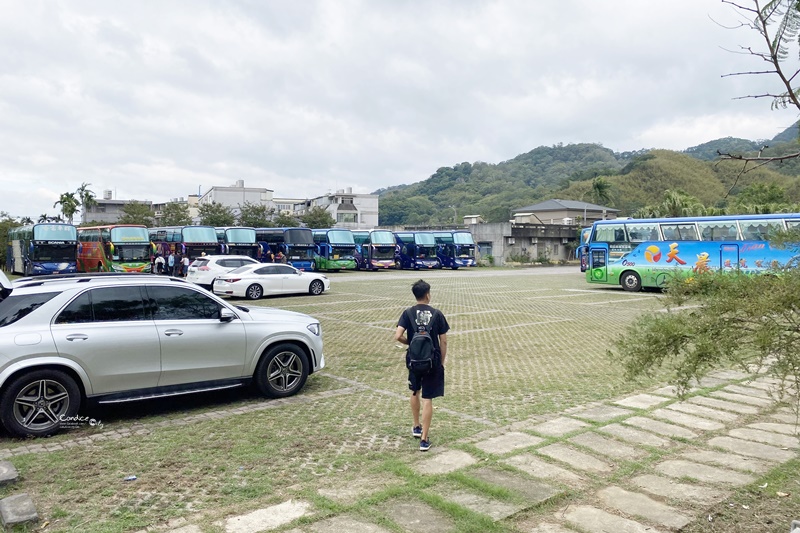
(84, 277)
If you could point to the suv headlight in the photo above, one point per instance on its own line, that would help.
(315, 328)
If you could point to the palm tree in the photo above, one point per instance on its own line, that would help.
(86, 197)
(679, 204)
(600, 190)
(69, 205)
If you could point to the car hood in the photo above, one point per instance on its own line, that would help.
(270, 313)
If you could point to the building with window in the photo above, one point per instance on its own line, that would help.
(107, 210)
(563, 212)
(349, 210)
(236, 195)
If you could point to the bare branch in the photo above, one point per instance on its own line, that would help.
(755, 96)
(759, 161)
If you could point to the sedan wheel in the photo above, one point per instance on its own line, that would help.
(254, 292)
(282, 371)
(316, 288)
(37, 403)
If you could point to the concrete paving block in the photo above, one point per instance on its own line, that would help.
(728, 460)
(662, 428)
(677, 468)
(17, 510)
(767, 437)
(508, 442)
(690, 421)
(536, 467)
(672, 391)
(707, 412)
(559, 427)
(730, 375)
(187, 529)
(742, 398)
(641, 505)
(495, 509)
(269, 518)
(752, 449)
(593, 520)
(602, 413)
(576, 459)
(748, 391)
(545, 527)
(717, 403)
(417, 516)
(338, 524)
(634, 435)
(786, 429)
(610, 447)
(787, 418)
(686, 492)
(445, 462)
(642, 401)
(8, 473)
(708, 382)
(534, 491)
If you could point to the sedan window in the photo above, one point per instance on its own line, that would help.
(179, 303)
(263, 271)
(283, 269)
(14, 308)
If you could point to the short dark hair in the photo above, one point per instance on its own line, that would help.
(420, 289)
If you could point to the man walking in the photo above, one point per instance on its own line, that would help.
(424, 387)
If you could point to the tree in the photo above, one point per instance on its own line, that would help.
(255, 215)
(215, 214)
(7, 222)
(69, 205)
(175, 214)
(85, 197)
(137, 213)
(601, 189)
(318, 217)
(288, 221)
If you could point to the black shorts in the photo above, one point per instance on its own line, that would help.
(432, 383)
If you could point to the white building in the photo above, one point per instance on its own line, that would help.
(349, 210)
(236, 195)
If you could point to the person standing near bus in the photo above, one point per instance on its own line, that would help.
(426, 387)
(185, 263)
(171, 264)
(159, 264)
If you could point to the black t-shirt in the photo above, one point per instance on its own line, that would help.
(425, 315)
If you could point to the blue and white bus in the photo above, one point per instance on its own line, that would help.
(335, 249)
(238, 241)
(46, 248)
(636, 253)
(455, 248)
(416, 249)
(297, 244)
(375, 249)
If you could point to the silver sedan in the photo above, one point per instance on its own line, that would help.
(256, 281)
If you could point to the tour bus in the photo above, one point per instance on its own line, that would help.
(335, 249)
(455, 248)
(416, 249)
(638, 253)
(238, 241)
(186, 240)
(582, 251)
(375, 249)
(114, 248)
(297, 244)
(45, 248)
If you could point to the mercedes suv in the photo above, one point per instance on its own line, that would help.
(107, 338)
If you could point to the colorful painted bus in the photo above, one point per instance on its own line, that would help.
(186, 240)
(375, 249)
(455, 248)
(335, 249)
(239, 241)
(46, 248)
(114, 248)
(582, 251)
(416, 249)
(638, 253)
(297, 244)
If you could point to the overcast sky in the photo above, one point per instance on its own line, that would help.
(158, 100)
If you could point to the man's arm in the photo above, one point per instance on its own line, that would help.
(443, 346)
(400, 335)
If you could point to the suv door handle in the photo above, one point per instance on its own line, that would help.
(77, 337)
(173, 333)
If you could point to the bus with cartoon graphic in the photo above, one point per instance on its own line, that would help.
(638, 253)
(114, 248)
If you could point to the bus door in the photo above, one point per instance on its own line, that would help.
(598, 264)
(729, 256)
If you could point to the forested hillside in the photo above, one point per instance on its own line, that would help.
(632, 181)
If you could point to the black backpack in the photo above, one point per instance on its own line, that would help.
(421, 357)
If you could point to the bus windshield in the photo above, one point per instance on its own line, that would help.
(462, 237)
(54, 232)
(54, 253)
(199, 234)
(130, 253)
(382, 237)
(247, 235)
(425, 239)
(340, 237)
(298, 236)
(122, 234)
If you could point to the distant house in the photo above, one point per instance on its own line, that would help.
(567, 212)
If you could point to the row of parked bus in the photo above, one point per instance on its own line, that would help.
(49, 248)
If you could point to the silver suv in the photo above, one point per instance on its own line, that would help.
(109, 338)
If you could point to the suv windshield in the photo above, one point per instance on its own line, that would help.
(15, 307)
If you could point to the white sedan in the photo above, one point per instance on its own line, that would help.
(256, 281)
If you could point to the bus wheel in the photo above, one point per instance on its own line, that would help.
(398, 265)
(313, 266)
(454, 267)
(254, 292)
(630, 281)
